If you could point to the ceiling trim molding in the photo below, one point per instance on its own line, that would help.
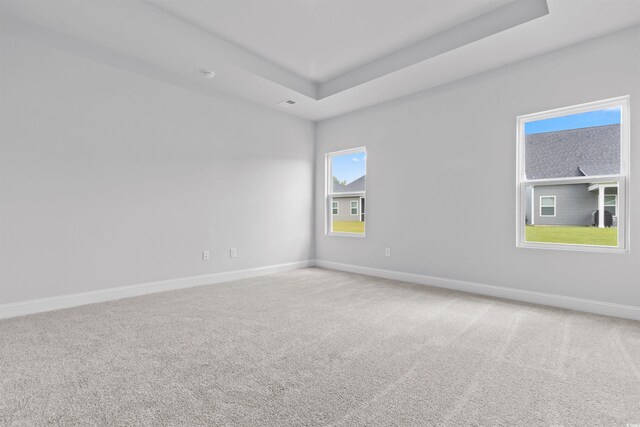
(155, 43)
(502, 18)
(493, 22)
(244, 58)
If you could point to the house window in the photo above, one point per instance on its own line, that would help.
(611, 203)
(354, 207)
(346, 186)
(572, 177)
(547, 205)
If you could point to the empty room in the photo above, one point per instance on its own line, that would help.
(320, 213)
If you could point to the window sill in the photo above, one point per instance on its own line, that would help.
(356, 235)
(573, 248)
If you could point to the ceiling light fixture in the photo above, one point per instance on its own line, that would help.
(208, 74)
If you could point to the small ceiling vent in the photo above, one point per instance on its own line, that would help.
(287, 103)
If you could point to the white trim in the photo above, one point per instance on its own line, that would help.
(348, 151)
(553, 300)
(572, 180)
(72, 300)
(337, 207)
(607, 185)
(542, 298)
(554, 206)
(533, 206)
(351, 202)
(601, 215)
(347, 195)
(575, 247)
(623, 208)
(346, 234)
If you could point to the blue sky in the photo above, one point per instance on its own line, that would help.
(348, 167)
(608, 116)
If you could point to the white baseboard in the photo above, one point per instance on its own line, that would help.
(65, 301)
(579, 304)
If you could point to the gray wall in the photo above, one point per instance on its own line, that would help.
(574, 204)
(344, 209)
(109, 178)
(447, 157)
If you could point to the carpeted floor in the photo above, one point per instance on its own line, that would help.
(318, 347)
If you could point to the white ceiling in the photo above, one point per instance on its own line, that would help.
(331, 56)
(319, 40)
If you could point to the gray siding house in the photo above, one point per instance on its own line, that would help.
(351, 206)
(582, 152)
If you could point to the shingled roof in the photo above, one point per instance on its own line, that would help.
(353, 187)
(574, 152)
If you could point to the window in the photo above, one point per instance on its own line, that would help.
(547, 205)
(572, 177)
(610, 203)
(354, 207)
(346, 186)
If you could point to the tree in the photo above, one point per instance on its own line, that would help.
(336, 181)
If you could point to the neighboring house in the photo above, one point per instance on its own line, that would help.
(576, 152)
(351, 206)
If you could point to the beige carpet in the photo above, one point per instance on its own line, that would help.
(318, 347)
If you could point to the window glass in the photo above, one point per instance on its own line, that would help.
(568, 214)
(585, 144)
(610, 203)
(576, 220)
(572, 175)
(348, 173)
(547, 206)
(346, 191)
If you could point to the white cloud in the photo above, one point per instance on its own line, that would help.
(355, 159)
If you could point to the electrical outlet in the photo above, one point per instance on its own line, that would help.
(387, 251)
(233, 253)
(205, 255)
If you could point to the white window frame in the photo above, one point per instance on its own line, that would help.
(554, 206)
(328, 223)
(357, 202)
(622, 179)
(336, 208)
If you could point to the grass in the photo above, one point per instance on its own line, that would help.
(572, 235)
(348, 227)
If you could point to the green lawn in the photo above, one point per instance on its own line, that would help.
(348, 227)
(573, 235)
